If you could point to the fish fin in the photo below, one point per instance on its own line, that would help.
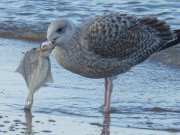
(21, 69)
(27, 65)
(49, 78)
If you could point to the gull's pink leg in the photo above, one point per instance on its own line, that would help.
(107, 108)
(105, 93)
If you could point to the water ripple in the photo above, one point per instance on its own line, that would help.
(45, 11)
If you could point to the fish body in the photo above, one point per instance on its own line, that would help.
(35, 67)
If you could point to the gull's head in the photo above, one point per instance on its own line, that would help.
(61, 31)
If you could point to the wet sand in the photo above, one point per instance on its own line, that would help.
(170, 57)
(145, 100)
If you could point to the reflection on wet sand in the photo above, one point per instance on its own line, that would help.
(104, 131)
(106, 124)
(28, 117)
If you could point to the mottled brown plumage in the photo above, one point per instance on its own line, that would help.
(125, 37)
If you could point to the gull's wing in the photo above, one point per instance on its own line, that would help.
(121, 36)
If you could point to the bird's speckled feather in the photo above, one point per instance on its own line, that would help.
(121, 36)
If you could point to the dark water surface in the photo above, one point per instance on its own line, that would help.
(145, 100)
(30, 19)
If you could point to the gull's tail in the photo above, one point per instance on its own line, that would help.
(175, 41)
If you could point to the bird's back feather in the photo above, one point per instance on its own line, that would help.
(122, 36)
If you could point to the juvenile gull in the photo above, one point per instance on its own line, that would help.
(108, 45)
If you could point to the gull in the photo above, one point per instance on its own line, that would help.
(108, 45)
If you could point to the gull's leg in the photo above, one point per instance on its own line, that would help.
(107, 108)
(105, 93)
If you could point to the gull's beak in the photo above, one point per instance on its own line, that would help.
(48, 45)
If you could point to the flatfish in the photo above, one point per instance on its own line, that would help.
(35, 67)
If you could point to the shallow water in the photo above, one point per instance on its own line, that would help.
(145, 100)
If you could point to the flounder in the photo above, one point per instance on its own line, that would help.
(35, 67)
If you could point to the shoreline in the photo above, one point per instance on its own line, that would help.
(170, 56)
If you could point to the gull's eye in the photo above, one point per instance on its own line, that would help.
(59, 30)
